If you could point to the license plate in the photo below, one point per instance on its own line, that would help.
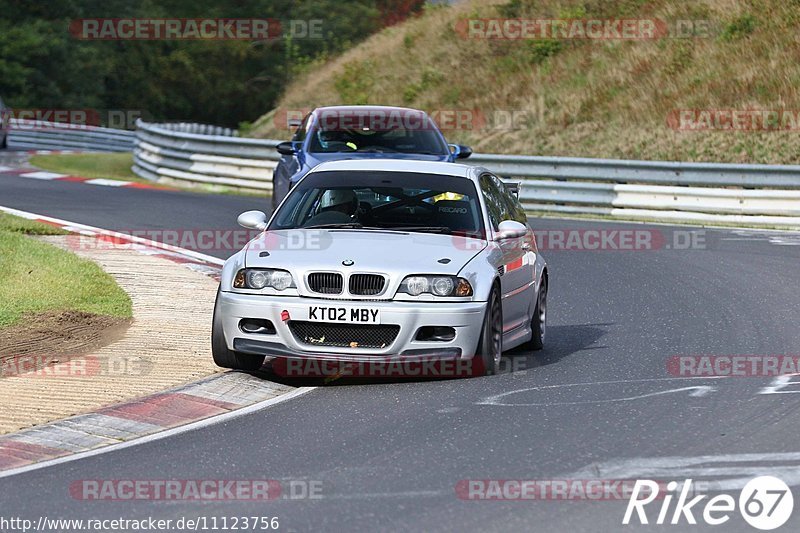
(344, 315)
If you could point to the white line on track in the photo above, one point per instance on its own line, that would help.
(200, 424)
(719, 472)
(697, 391)
(107, 183)
(82, 228)
(42, 175)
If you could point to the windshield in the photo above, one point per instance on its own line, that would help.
(406, 132)
(401, 201)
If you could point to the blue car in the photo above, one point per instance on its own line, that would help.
(360, 132)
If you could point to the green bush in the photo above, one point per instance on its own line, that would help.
(738, 28)
(540, 50)
(354, 84)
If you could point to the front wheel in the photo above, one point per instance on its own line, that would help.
(225, 357)
(490, 344)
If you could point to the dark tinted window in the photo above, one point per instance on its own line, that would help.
(495, 203)
(408, 133)
(513, 208)
(302, 130)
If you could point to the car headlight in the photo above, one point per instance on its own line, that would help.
(436, 285)
(259, 278)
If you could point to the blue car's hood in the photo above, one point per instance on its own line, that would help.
(315, 159)
(312, 160)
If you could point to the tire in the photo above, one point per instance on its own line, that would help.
(539, 319)
(490, 344)
(225, 357)
(4, 144)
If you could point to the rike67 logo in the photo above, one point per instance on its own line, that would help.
(765, 503)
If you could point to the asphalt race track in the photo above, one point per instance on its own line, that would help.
(599, 402)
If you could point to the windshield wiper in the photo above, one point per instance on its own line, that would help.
(423, 229)
(348, 225)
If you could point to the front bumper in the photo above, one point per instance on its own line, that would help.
(466, 318)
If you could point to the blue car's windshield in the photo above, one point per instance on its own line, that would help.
(408, 133)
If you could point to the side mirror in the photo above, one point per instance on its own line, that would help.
(510, 229)
(463, 152)
(286, 148)
(253, 220)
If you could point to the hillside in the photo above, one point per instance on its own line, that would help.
(590, 97)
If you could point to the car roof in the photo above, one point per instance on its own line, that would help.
(367, 109)
(399, 165)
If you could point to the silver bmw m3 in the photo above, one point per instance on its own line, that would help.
(381, 260)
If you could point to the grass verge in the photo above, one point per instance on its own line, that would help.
(109, 166)
(117, 166)
(36, 277)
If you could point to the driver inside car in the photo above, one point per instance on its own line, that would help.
(337, 206)
(331, 140)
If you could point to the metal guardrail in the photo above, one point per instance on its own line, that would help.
(180, 152)
(41, 135)
(200, 129)
(758, 195)
(755, 195)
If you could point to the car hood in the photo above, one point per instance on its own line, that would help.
(313, 159)
(309, 160)
(390, 252)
